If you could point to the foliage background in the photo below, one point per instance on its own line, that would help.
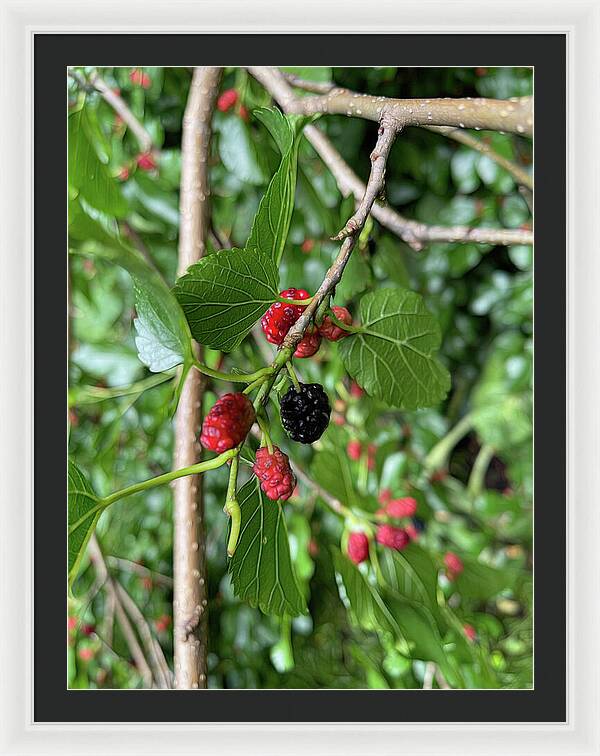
(482, 297)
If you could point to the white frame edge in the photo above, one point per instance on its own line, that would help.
(580, 20)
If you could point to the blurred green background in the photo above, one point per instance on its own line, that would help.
(482, 297)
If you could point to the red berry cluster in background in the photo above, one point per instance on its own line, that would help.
(163, 623)
(355, 449)
(404, 507)
(358, 547)
(140, 78)
(227, 423)
(227, 100)
(454, 565)
(275, 474)
(145, 161)
(392, 537)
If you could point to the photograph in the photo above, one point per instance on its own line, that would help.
(300, 378)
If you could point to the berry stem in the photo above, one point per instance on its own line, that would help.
(438, 456)
(343, 326)
(266, 437)
(301, 302)
(159, 480)
(232, 377)
(293, 376)
(232, 507)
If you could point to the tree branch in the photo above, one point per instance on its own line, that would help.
(519, 174)
(415, 234)
(514, 115)
(190, 619)
(120, 107)
(133, 644)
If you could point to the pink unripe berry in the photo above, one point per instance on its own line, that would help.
(454, 565)
(404, 507)
(470, 632)
(358, 547)
(354, 449)
(227, 100)
(392, 538)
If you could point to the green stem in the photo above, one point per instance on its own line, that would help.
(344, 326)
(480, 466)
(199, 467)
(232, 507)
(232, 377)
(89, 394)
(438, 456)
(301, 302)
(293, 376)
(262, 424)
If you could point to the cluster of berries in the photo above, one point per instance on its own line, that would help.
(281, 316)
(387, 535)
(228, 100)
(355, 450)
(304, 415)
(140, 78)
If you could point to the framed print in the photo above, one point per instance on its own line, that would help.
(314, 307)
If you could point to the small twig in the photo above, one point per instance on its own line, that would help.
(428, 676)
(120, 107)
(385, 139)
(155, 656)
(129, 566)
(317, 87)
(519, 174)
(440, 679)
(133, 644)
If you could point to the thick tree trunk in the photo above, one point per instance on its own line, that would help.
(189, 558)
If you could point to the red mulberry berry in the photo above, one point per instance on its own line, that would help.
(308, 345)
(392, 538)
(354, 449)
(405, 507)
(227, 100)
(244, 113)
(146, 161)
(227, 423)
(358, 547)
(355, 390)
(280, 317)
(470, 632)
(275, 474)
(140, 79)
(329, 330)
(307, 246)
(454, 565)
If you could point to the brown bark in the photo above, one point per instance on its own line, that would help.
(190, 620)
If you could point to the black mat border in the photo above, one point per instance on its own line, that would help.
(52, 701)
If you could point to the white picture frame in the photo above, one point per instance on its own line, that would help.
(19, 21)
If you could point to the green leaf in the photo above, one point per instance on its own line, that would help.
(392, 356)
(81, 500)
(278, 126)
(333, 472)
(412, 574)
(163, 336)
(272, 220)
(413, 627)
(482, 582)
(87, 174)
(238, 151)
(224, 295)
(261, 568)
